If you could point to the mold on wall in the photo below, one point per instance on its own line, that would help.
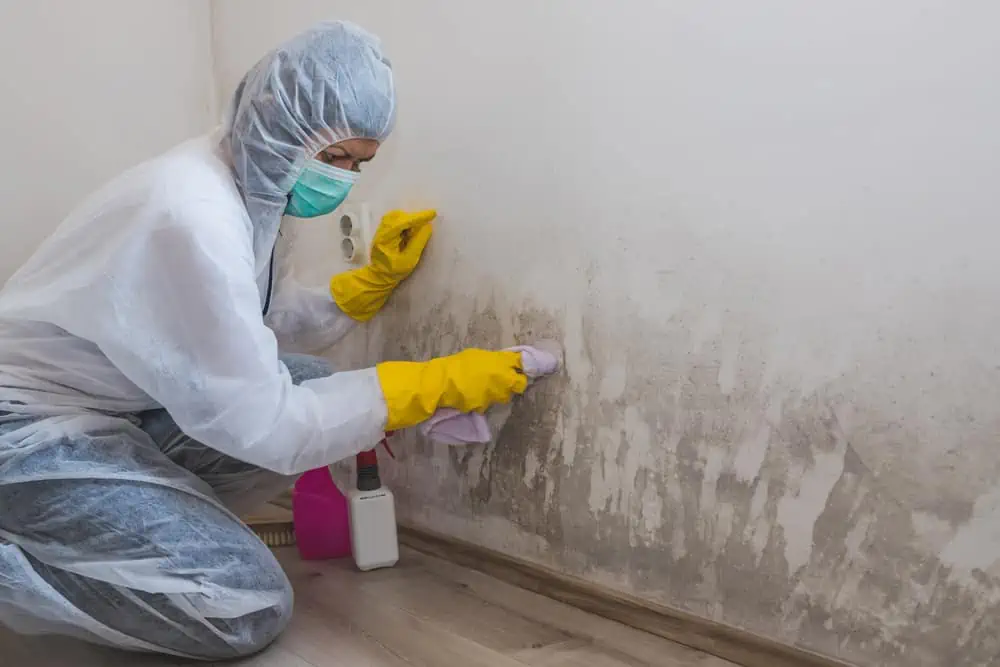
(766, 234)
(731, 493)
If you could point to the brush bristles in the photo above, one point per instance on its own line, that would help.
(282, 535)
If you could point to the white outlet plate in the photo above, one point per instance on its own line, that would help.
(360, 213)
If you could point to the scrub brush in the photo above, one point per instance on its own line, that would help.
(273, 525)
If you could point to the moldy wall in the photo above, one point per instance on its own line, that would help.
(766, 233)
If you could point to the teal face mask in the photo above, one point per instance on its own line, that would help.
(320, 189)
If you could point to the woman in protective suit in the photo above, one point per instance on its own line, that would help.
(144, 395)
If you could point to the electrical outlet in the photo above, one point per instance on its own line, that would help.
(355, 232)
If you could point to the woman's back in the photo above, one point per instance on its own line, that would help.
(94, 262)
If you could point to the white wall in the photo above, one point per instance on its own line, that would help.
(88, 89)
(767, 232)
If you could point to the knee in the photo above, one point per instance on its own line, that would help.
(244, 601)
(244, 634)
(255, 631)
(304, 367)
(235, 608)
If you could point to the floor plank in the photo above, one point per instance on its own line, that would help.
(326, 642)
(340, 594)
(413, 589)
(584, 655)
(425, 612)
(646, 648)
(275, 656)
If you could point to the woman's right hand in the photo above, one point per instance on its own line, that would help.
(470, 381)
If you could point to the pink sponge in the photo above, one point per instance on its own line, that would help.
(319, 511)
(451, 427)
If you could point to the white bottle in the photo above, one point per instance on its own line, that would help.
(372, 512)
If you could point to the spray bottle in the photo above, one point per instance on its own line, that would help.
(372, 511)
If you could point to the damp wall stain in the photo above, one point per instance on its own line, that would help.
(828, 513)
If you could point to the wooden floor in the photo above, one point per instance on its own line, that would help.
(424, 612)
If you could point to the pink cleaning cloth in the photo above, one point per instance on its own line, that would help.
(451, 427)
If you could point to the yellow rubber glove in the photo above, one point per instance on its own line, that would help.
(396, 249)
(470, 381)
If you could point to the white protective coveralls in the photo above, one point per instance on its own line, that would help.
(142, 397)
